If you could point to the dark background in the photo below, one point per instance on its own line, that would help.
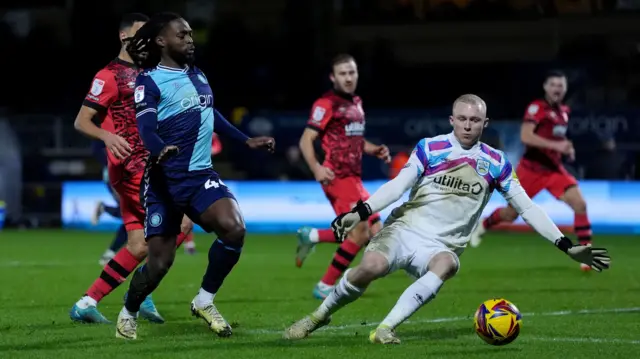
(267, 61)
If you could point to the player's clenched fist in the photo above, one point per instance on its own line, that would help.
(346, 222)
(267, 143)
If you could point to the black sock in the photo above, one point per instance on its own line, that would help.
(120, 239)
(222, 258)
(113, 211)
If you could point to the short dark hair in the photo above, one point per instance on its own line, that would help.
(147, 34)
(129, 19)
(341, 59)
(554, 73)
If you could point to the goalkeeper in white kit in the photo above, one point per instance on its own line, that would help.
(451, 178)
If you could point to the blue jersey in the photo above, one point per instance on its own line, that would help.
(175, 107)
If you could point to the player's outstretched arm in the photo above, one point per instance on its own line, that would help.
(509, 187)
(387, 194)
(222, 126)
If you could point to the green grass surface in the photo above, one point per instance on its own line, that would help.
(566, 313)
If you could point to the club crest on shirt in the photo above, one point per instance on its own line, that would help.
(482, 167)
(318, 114)
(202, 79)
(533, 109)
(138, 95)
(96, 87)
(155, 220)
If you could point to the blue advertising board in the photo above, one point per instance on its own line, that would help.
(282, 207)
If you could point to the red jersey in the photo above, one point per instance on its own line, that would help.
(111, 94)
(551, 124)
(339, 118)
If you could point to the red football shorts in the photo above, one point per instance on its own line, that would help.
(127, 185)
(344, 194)
(534, 181)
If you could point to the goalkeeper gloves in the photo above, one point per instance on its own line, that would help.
(597, 258)
(346, 222)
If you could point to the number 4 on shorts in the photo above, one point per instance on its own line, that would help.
(211, 183)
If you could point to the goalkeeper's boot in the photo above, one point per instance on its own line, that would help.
(322, 290)
(90, 314)
(305, 245)
(305, 326)
(126, 327)
(148, 310)
(585, 267)
(476, 236)
(213, 318)
(383, 335)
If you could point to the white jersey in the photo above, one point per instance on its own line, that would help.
(452, 185)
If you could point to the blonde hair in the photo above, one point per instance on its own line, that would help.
(471, 99)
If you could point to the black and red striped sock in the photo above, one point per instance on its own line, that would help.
(113, 274)
(582, 228)
(345, 254)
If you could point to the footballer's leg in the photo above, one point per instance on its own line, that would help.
(565, 188)
(216, 210)
(342, 259)
(308, 237)
(442, 266)
(162, 227)
(379, 259)
(532, 182)
(374, 265)
(117, 243)
(124, 262)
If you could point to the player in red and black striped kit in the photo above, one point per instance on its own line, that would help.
(111, 100)
(337, 118)
(543, 134)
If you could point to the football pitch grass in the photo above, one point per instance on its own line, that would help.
(566, 313)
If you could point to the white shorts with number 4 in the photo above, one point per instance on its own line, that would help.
(405, 249)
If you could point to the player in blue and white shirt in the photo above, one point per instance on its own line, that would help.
(176, 119)
(451, 178)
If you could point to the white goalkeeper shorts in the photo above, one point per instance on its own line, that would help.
(405, 249)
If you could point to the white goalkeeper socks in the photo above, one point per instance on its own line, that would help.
(343, 294)
(419, 293)
(204, 298)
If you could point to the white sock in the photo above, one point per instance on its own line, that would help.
(190, 245)
(127, 314)
(204, 298)
(419, 293)
(313, 236)
(109, 253)
(343, 294)
(86, 302)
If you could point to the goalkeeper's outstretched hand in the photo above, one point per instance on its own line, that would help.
(346, 222)
(597, 258)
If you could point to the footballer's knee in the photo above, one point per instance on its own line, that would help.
(373, 266)
(232, 232)
(136, 244)
(574, 199)
(508, 214)
(360, 235)
(444, 265)
(375, 227)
